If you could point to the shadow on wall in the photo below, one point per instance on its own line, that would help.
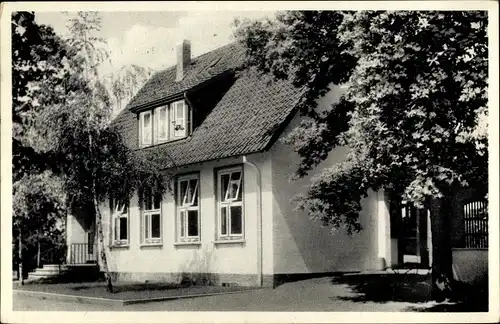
(198, 271)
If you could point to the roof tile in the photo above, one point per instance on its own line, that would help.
(244, 121)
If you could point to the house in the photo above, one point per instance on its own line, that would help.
(230, 219)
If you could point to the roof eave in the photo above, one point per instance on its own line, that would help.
(180, 94)
(156, 103)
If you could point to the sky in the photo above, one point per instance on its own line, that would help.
(149, 39)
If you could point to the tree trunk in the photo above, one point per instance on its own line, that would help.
(442, 272)
(98, 222)
(38, 255)
(20, 253)
(102, 246)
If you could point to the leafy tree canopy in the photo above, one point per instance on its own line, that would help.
(414, 107)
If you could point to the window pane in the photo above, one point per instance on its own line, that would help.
(180, 119)
(123, 228)
(183, 230)
(117, 224)
(236, 175)
(161, 123)
(146, 128)
(171, 112)
(147, 199)
(193, 189)
(223, 221)
(240, 191)
(155, 225)
(146, 226)
(157, 201)
(236, 221)
(183, 190)
(192, 223)
(180, 110)
(224, 186)
(233, 189)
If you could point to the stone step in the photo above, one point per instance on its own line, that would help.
(55, 266)
(43, 271)
(42, 275)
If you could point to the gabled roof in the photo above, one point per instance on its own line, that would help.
(248, 118)
(202, 68)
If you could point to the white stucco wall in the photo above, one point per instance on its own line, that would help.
(233, 258)
(76, 229)
(304, 246)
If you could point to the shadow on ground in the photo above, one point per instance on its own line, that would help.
(411, 288)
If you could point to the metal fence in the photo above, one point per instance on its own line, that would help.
(476, 224)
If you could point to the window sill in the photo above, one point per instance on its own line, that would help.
(146, 245)
(198, 243)
(119, 246)
(238, 241)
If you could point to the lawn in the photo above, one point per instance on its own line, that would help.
(128, 291)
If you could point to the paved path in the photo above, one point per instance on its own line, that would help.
(307, 295)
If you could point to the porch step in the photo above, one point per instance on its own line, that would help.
(65, 273)
(47, 271)
(58, 267)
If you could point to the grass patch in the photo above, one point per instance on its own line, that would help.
(128, 291)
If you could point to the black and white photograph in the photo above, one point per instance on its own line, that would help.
(213, 159)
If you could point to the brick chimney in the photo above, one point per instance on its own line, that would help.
(183, 58)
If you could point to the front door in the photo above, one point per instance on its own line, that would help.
(91, 246)
(410, 231)
(413, 238)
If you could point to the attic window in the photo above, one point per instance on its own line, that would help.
(163, 124)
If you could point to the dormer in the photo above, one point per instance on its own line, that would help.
(174, 102)
(168, 122)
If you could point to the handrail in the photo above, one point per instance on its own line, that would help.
(82, 253)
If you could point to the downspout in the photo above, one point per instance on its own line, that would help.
(259, 220)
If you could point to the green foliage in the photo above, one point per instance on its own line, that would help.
(38, 55)
(124, 84)
(38, 205)
(62, 114)
(93, 159)
(414, 108)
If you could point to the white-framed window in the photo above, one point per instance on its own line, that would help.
(165, 123)
(230, 203)
(119, 222)
(180, 119)
(161, 124)
(146, 127)
(151, 219)
(188, 208)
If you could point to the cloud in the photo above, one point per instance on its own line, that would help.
(149, 39)
(154, 47)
